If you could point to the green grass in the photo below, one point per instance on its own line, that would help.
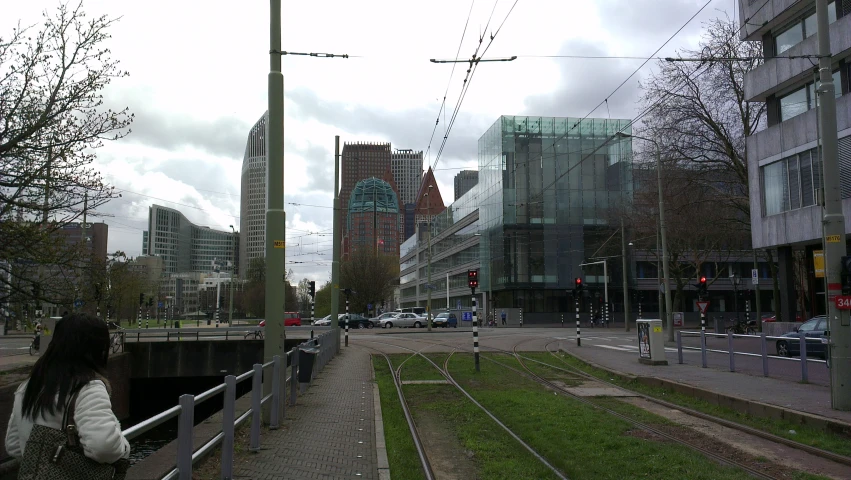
(550, 373)
(583, 442)
(808, 435)
(401, 452)
(415, 368)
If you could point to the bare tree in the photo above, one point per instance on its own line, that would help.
(372, 275)
(52, 121)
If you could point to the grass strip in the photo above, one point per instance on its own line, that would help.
(401, 452)
(806, 434)
(583, 442)
(415, 368)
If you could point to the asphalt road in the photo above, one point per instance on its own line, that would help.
(15, 345)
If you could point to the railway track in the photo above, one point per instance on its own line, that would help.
(567, 369)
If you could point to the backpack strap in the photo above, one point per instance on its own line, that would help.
(68, 424)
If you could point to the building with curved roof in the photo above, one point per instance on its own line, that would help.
(252, 201)
(372, 217)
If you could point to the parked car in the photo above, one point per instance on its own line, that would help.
(812, 328)
(417, 310)
(445, 319)
(404, 320)
(355, 321)
(772, 317)
(384, 316)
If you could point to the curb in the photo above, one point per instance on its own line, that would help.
(750, 407)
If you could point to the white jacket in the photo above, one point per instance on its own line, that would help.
(99, 430)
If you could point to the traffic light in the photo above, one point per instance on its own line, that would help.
(311, 289)
(701, 286)
(36, 291)
(845, 275)
(150, 301)
(141, 299)
(577, 285)
(473, 279)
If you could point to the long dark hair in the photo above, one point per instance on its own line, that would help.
(77, 354)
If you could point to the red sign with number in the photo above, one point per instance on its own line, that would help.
(843, 302)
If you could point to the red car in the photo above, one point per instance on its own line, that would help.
(291, 319)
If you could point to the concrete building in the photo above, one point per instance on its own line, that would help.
(464, 181)
(185, 247)
(525, 227)
(407, 168)
(372, 218)
(252, 199)
(784, 159)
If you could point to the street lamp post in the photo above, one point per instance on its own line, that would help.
(232, 272)
(665, 267)
(428, 267)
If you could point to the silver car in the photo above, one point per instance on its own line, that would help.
(404, 320)
(384, 316)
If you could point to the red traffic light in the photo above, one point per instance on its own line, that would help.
(702, 279)
(578, 282)
(473, 278)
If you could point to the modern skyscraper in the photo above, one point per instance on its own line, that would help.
(407, 168)
(252, 199)
(464, 181)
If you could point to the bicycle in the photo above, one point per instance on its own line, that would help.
(742, 328)
(257, 334)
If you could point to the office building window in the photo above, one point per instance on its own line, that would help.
(805, 98)
(800, 29)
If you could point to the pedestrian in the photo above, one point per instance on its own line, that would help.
(65, 403)
(503, 316)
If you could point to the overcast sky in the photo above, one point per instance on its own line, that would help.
(198, 79)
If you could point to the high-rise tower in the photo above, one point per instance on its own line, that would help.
(252, 198)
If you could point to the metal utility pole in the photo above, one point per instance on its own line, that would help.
(669, 317)
(337, 236)
(625, 278)
(276, 218)
(232, 274)
(428, 269)
(839, 321)
(756, 294)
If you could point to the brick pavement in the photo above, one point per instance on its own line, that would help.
(329, 434)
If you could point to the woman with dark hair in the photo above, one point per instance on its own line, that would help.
(74, 363)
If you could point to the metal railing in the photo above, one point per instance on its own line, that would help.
(802, 341)
(185, 410)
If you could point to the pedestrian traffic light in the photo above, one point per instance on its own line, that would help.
(141, 299)
(311, 289)
(473, 279)
(845, 275)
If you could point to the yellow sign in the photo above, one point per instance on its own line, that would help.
(657, 329)
(832, 239)
(279, 244)
(818, 263)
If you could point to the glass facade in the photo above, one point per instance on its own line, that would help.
(546, 187)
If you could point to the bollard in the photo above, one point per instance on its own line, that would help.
(185, 422)
(804, 372)
(228, 417)
(311, 334)
(764, 351)
(730, 350)
(521, 318)
(294, 375)
(276, 392)
(146, 323)
(703, 348)
(578, 339)
(347, 319)
(256, 396)
(680, 347)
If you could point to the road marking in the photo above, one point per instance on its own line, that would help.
(615, 348)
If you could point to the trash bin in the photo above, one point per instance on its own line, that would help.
(306, 357)
(719, 324)
(651, 344)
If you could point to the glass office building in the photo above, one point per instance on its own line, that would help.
(549, 192)
(547, 200)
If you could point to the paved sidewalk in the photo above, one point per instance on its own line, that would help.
(329, 434)
(807, 398)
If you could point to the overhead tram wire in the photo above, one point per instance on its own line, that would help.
(449, 82)
(474, 63)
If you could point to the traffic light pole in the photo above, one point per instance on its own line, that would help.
(578, 332)
(337, 236)
(839, 321)
(475, 331)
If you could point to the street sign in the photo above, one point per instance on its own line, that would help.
(702, 306)
(458, 305)
(78, 303)
(160, 304)
(662, 287)
(755, 276)
(369, 306)
(843, 302)
(467, 316)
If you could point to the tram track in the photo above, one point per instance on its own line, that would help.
(570, 370)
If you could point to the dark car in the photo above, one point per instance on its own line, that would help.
(355, 321)
(445, 319)
(813, 328)
(772, 317)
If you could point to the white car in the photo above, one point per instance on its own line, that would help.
(404, 320)
(323, 322)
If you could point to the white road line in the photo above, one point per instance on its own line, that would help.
(614, 348)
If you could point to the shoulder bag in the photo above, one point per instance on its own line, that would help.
(52, 454)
